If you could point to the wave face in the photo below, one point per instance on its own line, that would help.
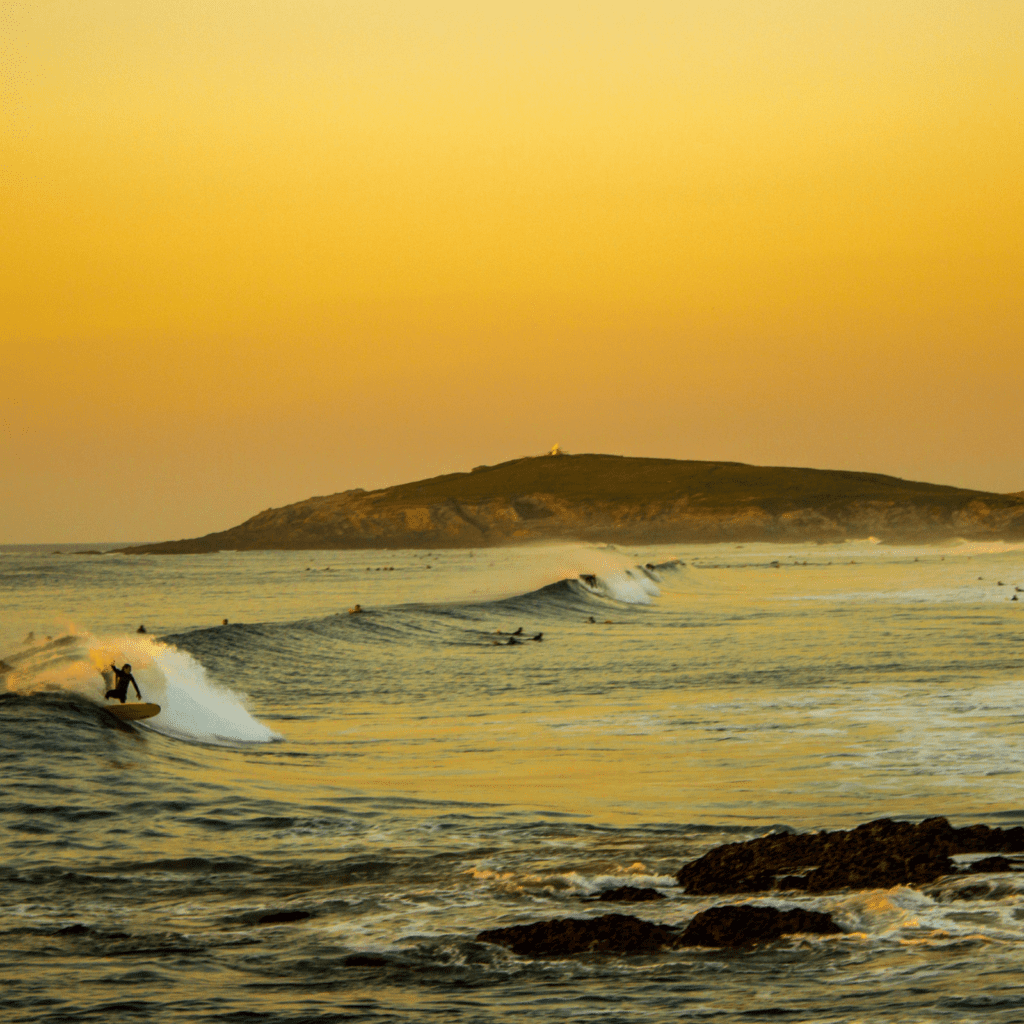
(485, 623)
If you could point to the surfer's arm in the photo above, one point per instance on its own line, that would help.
(136, 685)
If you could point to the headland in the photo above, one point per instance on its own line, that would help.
(615, 499)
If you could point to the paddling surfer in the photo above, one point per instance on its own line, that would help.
(124, 677)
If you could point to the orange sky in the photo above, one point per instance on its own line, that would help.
(256, 251)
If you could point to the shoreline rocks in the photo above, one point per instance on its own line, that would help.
(727, 926)
(879, 854)
(610, 933)
(747, 926)
(629, 894)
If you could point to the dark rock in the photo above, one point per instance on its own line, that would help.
(629, 894)
(284, 917)
(991, 864)
(879, 854)
(81, 929)
(791, 882)
(365, 960)
(746, 926)
(611, 933)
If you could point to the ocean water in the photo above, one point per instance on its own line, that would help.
(331, 807)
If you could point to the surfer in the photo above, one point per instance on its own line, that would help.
(124, 677)
(357, 610)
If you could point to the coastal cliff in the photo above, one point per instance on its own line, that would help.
(616, 499)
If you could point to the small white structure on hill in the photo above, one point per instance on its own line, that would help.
(555, 451)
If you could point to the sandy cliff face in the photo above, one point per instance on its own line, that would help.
(604, 498)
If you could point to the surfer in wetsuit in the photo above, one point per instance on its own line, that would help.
(124, 677)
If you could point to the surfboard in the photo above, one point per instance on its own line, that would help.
(133, 712)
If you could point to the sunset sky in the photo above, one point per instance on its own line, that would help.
(255, 251)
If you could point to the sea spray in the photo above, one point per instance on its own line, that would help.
(195, 708)
(625, 585)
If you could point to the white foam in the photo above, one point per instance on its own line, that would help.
(193, 707)
(625, 586)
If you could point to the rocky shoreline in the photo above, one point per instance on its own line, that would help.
(878, 854)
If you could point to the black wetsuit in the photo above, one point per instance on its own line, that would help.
(120, 690)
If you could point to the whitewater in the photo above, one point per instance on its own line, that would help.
(332, 805)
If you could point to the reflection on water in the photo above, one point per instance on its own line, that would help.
(396, 781)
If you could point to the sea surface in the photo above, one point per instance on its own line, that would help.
(331, 806)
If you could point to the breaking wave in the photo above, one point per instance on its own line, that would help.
(193, 707)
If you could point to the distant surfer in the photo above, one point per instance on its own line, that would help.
(141, 629)
(356, 610)
(124, 677)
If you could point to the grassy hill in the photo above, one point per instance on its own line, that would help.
(617, 499)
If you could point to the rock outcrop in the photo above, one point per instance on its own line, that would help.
(611, 933)
(619, 933)
(747, 926)
(879, 854)
(629, 894)
(622, 500)
(991, 865)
